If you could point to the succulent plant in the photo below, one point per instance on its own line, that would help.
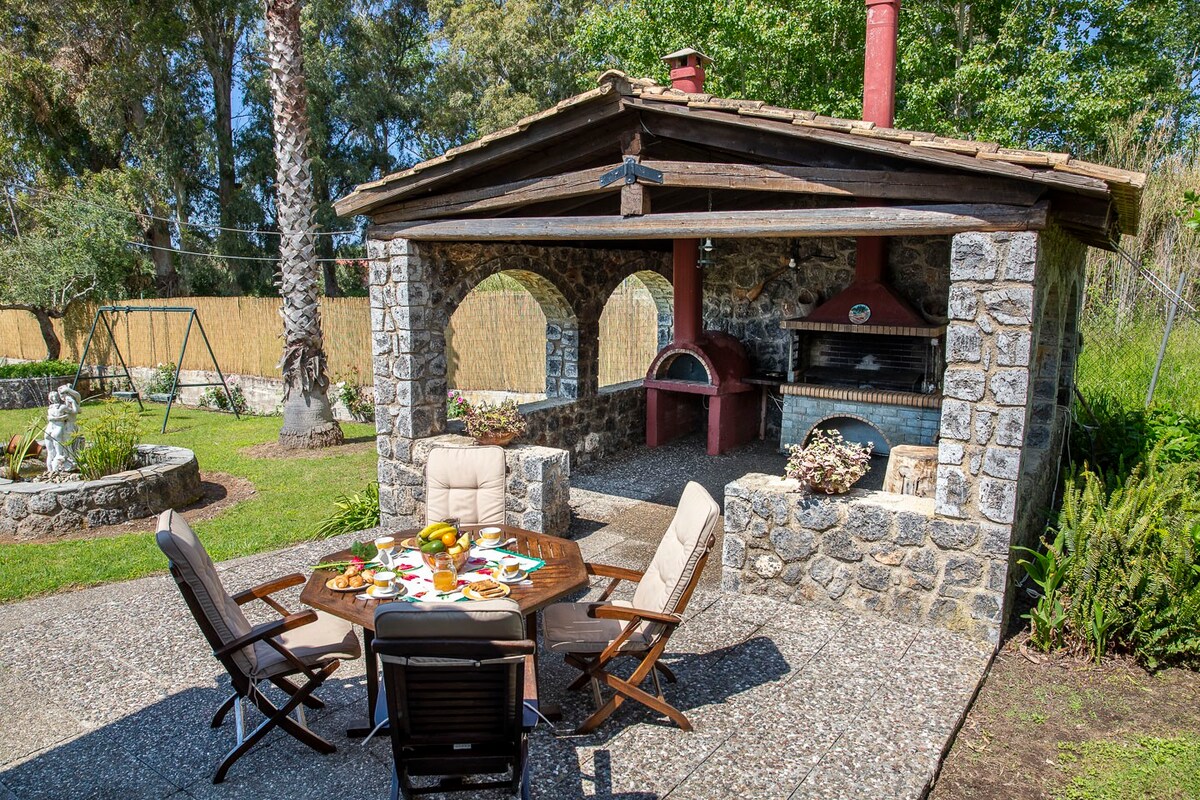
(485, 419)
(828, 463)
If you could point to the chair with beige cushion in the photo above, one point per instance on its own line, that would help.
(308, 643)
(460, 693)
(465, 483)
(591, 635)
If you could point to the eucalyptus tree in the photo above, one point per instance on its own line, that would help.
(307, 415)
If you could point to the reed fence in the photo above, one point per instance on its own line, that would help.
(496, 339)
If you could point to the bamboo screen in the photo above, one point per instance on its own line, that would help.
(496, 339)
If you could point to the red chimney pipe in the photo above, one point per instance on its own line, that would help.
(879, 69)
(869, 287)
(687, 75)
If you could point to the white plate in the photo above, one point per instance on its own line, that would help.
(520, 576)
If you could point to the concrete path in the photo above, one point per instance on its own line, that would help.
(106, 693)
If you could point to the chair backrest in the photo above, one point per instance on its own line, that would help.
(466, 483)
(669, 580)
(215, 611)
(453, 674)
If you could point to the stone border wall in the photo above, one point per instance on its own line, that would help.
(32, 510)
(871, 551)
(32, 392)
(537, 496)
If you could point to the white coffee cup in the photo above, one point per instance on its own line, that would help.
(384, 582)
(510, 567)
(489, 536)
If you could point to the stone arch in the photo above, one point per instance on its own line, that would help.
(561, 327)
(883, 444)
(626, 347)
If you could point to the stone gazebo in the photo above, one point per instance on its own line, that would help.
(980, 248)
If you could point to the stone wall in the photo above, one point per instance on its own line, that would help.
(537, 496)
(33, 392)
(917, 268)
(264, 396)
(168, 478)
(612, 420)
(1010, 344)
(871, 551)
(415, 289)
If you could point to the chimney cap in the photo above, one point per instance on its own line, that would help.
(681, 55)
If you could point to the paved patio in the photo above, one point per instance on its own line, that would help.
(107, 691)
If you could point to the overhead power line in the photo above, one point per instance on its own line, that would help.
(241, 258)
(171, 220)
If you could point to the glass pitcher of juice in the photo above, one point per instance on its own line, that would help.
(445, 575)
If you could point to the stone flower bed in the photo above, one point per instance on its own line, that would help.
(31, 510)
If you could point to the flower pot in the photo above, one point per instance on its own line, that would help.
(824, 488)
(498, 439)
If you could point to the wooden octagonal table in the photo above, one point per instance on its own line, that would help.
(563, 573)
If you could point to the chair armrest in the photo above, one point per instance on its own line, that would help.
(607, 571)
(625, 613)
(261, 591)
(266, 630)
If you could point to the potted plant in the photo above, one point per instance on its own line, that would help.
(489, 424)
(828, 463)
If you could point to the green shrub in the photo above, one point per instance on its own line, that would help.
(1128, 558)
(37, 369)
(162, 380)
(352, 512)
(110, 440)
(1115, 436)
(214, 397)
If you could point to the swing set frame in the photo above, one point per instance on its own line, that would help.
(101, 318)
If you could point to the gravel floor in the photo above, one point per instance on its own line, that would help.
(107, 691)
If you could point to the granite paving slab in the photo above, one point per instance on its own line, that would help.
(787, 700)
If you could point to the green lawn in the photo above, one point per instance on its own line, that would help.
(292, 496)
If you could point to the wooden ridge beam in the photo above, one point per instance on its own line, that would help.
(850, 221)
(928, 187)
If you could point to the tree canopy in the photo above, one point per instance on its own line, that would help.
(173, 96)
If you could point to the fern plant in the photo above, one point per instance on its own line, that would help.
(352, 512)
(1132, 579)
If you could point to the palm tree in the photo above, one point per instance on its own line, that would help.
(307, 416)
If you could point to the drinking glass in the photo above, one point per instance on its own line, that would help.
(445, 575)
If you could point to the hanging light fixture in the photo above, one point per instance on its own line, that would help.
(706, 248)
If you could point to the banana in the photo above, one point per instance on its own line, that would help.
(432, 528)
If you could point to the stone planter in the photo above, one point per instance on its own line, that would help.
(37, 510)
(31, 392)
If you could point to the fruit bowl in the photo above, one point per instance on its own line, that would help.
(460, 560)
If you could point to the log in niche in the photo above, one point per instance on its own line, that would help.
(890, 221)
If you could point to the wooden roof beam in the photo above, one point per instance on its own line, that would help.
(926, 187)
(850, 221)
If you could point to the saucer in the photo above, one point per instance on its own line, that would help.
(375, 593)
(482, 545)
(520, 576)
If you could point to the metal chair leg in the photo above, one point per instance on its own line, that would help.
(239, 719)
(657, 686)
(596, 693)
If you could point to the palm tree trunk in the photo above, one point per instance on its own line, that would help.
(307, 416)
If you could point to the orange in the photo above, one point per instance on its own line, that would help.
(450, 538)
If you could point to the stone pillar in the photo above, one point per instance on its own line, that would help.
(986, 393)
(408, 358)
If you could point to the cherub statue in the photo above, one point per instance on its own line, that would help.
(60, 441)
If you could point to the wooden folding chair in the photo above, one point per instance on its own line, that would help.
(592, 635)
(460, 690)
(307, 643)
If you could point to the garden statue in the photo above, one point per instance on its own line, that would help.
(60, 441)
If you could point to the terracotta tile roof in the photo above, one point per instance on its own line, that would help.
(1124, 186)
